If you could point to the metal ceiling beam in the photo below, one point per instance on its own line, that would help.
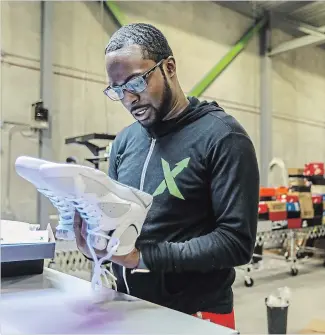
(291, 6)
(245, 8)
(280, 19)
(242, 7)
(299, 43)
(230, 56)
(115, 13)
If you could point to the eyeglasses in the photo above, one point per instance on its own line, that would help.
(135, 85)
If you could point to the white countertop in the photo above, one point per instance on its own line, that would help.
(56, 303)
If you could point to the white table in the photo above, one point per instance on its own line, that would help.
(56, 303)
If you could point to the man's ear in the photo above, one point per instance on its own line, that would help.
(171, 66)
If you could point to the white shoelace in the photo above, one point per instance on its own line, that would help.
(89, 214)
(66, 211)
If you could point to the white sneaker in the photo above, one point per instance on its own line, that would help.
(29, 169)
(117, 209)
(105, 205)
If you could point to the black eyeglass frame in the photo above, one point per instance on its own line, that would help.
(123, 87)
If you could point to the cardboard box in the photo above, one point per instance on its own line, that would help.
(276, 206)
(315, 326)
(267, 192)
(318, 189)
(300, 189)
(314, 169)
(293, 210)
(262, 208)
(293, 206)
(296, 171)
(318, 209)
(292, 198)
(278, 216)
(294, 223)
(296, 181)
(317, 199)
(306, 205)
(316, 180)
(316, 221)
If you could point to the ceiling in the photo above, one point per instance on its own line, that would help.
(293, 17)
(311, 12)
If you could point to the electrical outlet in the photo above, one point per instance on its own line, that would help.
(39, 116)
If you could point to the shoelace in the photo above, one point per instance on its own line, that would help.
(66, 211)
(90, 215)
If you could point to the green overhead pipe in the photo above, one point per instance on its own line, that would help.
(116, 13)
(227, 59)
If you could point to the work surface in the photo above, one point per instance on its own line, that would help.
(56, 303)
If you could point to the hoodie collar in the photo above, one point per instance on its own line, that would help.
(194, 111)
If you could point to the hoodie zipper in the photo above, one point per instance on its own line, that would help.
(143, 176)
(146, 163)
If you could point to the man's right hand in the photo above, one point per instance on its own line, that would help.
(80, 229)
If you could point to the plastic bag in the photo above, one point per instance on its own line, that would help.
(280, 298)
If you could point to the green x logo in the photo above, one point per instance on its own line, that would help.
(169, 181)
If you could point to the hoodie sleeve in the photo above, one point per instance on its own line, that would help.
(232, 170)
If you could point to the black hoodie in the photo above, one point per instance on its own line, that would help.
(202, 169)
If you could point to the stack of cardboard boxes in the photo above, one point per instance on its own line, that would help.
(272, 212)
(315, 174)
(300, 205)
(300, 191)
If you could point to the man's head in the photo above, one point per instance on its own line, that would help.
(132, 51)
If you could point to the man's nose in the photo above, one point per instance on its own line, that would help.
(130, 98)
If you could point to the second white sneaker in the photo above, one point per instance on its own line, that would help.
(29, 169)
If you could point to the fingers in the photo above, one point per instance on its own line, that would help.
(78, 226)
(77, 223)
(84, 229)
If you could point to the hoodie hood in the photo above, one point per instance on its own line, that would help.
(194, 111)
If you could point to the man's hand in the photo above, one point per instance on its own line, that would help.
(80, 230)
(130, 260)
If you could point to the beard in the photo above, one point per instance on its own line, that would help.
(165, 105)
(166, 101)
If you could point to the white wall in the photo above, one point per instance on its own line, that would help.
(200, 33)
(298, 104)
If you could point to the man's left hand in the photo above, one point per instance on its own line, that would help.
(130, 260)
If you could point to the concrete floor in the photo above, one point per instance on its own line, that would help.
(307, 302)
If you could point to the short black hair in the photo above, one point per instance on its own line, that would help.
(152, 41)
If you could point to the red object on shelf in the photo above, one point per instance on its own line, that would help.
(267, 192)
(317, 199)
(292, 198)
(278, 216)
(281, 190)
(281, 197)
(314, 169)
(262, 208)
(294, 223)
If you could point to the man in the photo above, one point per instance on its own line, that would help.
(201, 168)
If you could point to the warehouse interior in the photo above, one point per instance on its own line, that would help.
(262, 61)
